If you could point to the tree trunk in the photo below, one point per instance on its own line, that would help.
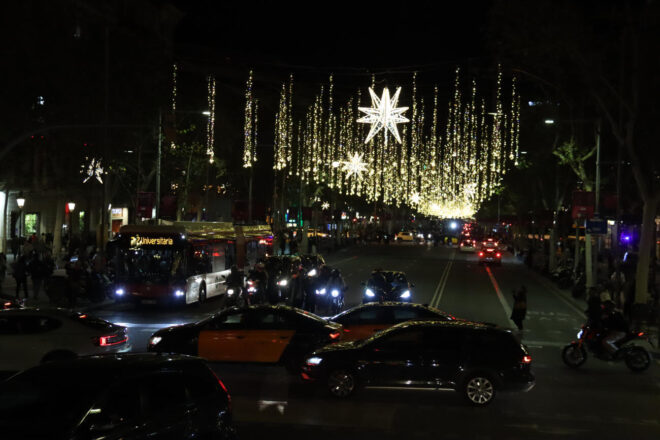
(646, 243)
(4, 221)
(57, 228)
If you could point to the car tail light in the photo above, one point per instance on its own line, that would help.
(527, 359)
(498, 255)
(481, 254)
(640, 334)
(334, 335)
(106, 341)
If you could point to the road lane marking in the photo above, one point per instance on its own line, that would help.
(559, 294)
(334, 263)
(505, 305)
(440, 289)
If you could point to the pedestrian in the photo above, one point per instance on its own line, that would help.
(19, 272)
(3, 269)
(519, 307)
(14, 246)
(37, 270)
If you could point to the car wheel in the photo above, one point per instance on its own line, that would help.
(479, 390)
(59, 355)
(202, 294)
(341, 383)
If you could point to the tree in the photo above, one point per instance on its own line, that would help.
(604, 55)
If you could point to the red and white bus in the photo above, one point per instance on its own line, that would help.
(182, 262)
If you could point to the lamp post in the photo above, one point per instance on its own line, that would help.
(20, 201)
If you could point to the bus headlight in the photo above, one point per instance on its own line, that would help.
(179, 293)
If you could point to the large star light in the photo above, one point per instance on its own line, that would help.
(383, 114)
(354, 165)
(93, 169)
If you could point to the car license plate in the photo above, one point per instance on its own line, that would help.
(149, 301)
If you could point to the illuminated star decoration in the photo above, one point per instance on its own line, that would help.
(354, 165)
(325, 206)
(94, 169)
(415, 198)
(383, 114)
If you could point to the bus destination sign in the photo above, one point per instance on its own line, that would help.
(137, 241)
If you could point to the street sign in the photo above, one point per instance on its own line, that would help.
(597, 227)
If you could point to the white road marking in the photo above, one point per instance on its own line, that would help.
(561, 295)
(334, 263)
(440, 289)
(505, 305)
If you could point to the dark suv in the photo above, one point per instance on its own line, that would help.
(475, 359)
(116, 396)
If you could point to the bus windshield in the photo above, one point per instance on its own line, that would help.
(155, 264)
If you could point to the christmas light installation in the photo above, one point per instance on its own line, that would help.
(250, 126)
(210, 125)
(325, 206)
(354, 165)
(383, 114)
(92, 169)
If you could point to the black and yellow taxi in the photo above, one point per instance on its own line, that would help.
(364, 320)
(261, 333)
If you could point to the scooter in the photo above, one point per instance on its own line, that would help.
(637, 358)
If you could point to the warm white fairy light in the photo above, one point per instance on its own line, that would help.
(92, 169)
(325, 206)
(383, 114)
(210, 126)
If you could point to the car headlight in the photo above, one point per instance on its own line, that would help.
(230, 292)
(406, 294)
(311, 273)
(283, 282)
(154, 340)
(370, 293)
(320, 292)
(313, 360)
(579, 335)
(119, 292)
(179, 293)
(429, 236)
(335, 293)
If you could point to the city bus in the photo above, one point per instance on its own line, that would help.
(182, 262)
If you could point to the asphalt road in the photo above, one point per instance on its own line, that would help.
(601, 400)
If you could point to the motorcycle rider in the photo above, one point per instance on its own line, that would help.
(614, 326)
(260, 277)
(235, 281)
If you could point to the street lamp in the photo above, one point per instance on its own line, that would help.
(20, 201)
(549, 121)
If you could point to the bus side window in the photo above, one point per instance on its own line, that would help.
(218, 256)
(201, 260)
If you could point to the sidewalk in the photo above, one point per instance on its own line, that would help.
(580, 305)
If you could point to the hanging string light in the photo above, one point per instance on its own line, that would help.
(250, 126)
(210, 125)
(174, 91)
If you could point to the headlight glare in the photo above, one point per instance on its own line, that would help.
(155, 340)
(406, 294)
(370, 293)
(335, 293)
(313, 360)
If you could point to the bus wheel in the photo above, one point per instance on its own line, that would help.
(202, 294)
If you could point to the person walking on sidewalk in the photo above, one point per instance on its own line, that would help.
(19, 271)
(37, 270)
(3, 269)
(519, 307)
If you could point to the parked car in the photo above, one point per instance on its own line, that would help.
(30, 336)
(262, 333)
(130, 396)
(477, 360)
(364, 320)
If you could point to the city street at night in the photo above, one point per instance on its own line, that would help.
(601, 399)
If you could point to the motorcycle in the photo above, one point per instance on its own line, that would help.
(255, 292)
(236, 296)
(637, 358)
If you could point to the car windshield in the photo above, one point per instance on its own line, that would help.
(57, 397)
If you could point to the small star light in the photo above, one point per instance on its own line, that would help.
(325, 206)
(94, 169)
(383, 114)
(354, 165)
(415, 198)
